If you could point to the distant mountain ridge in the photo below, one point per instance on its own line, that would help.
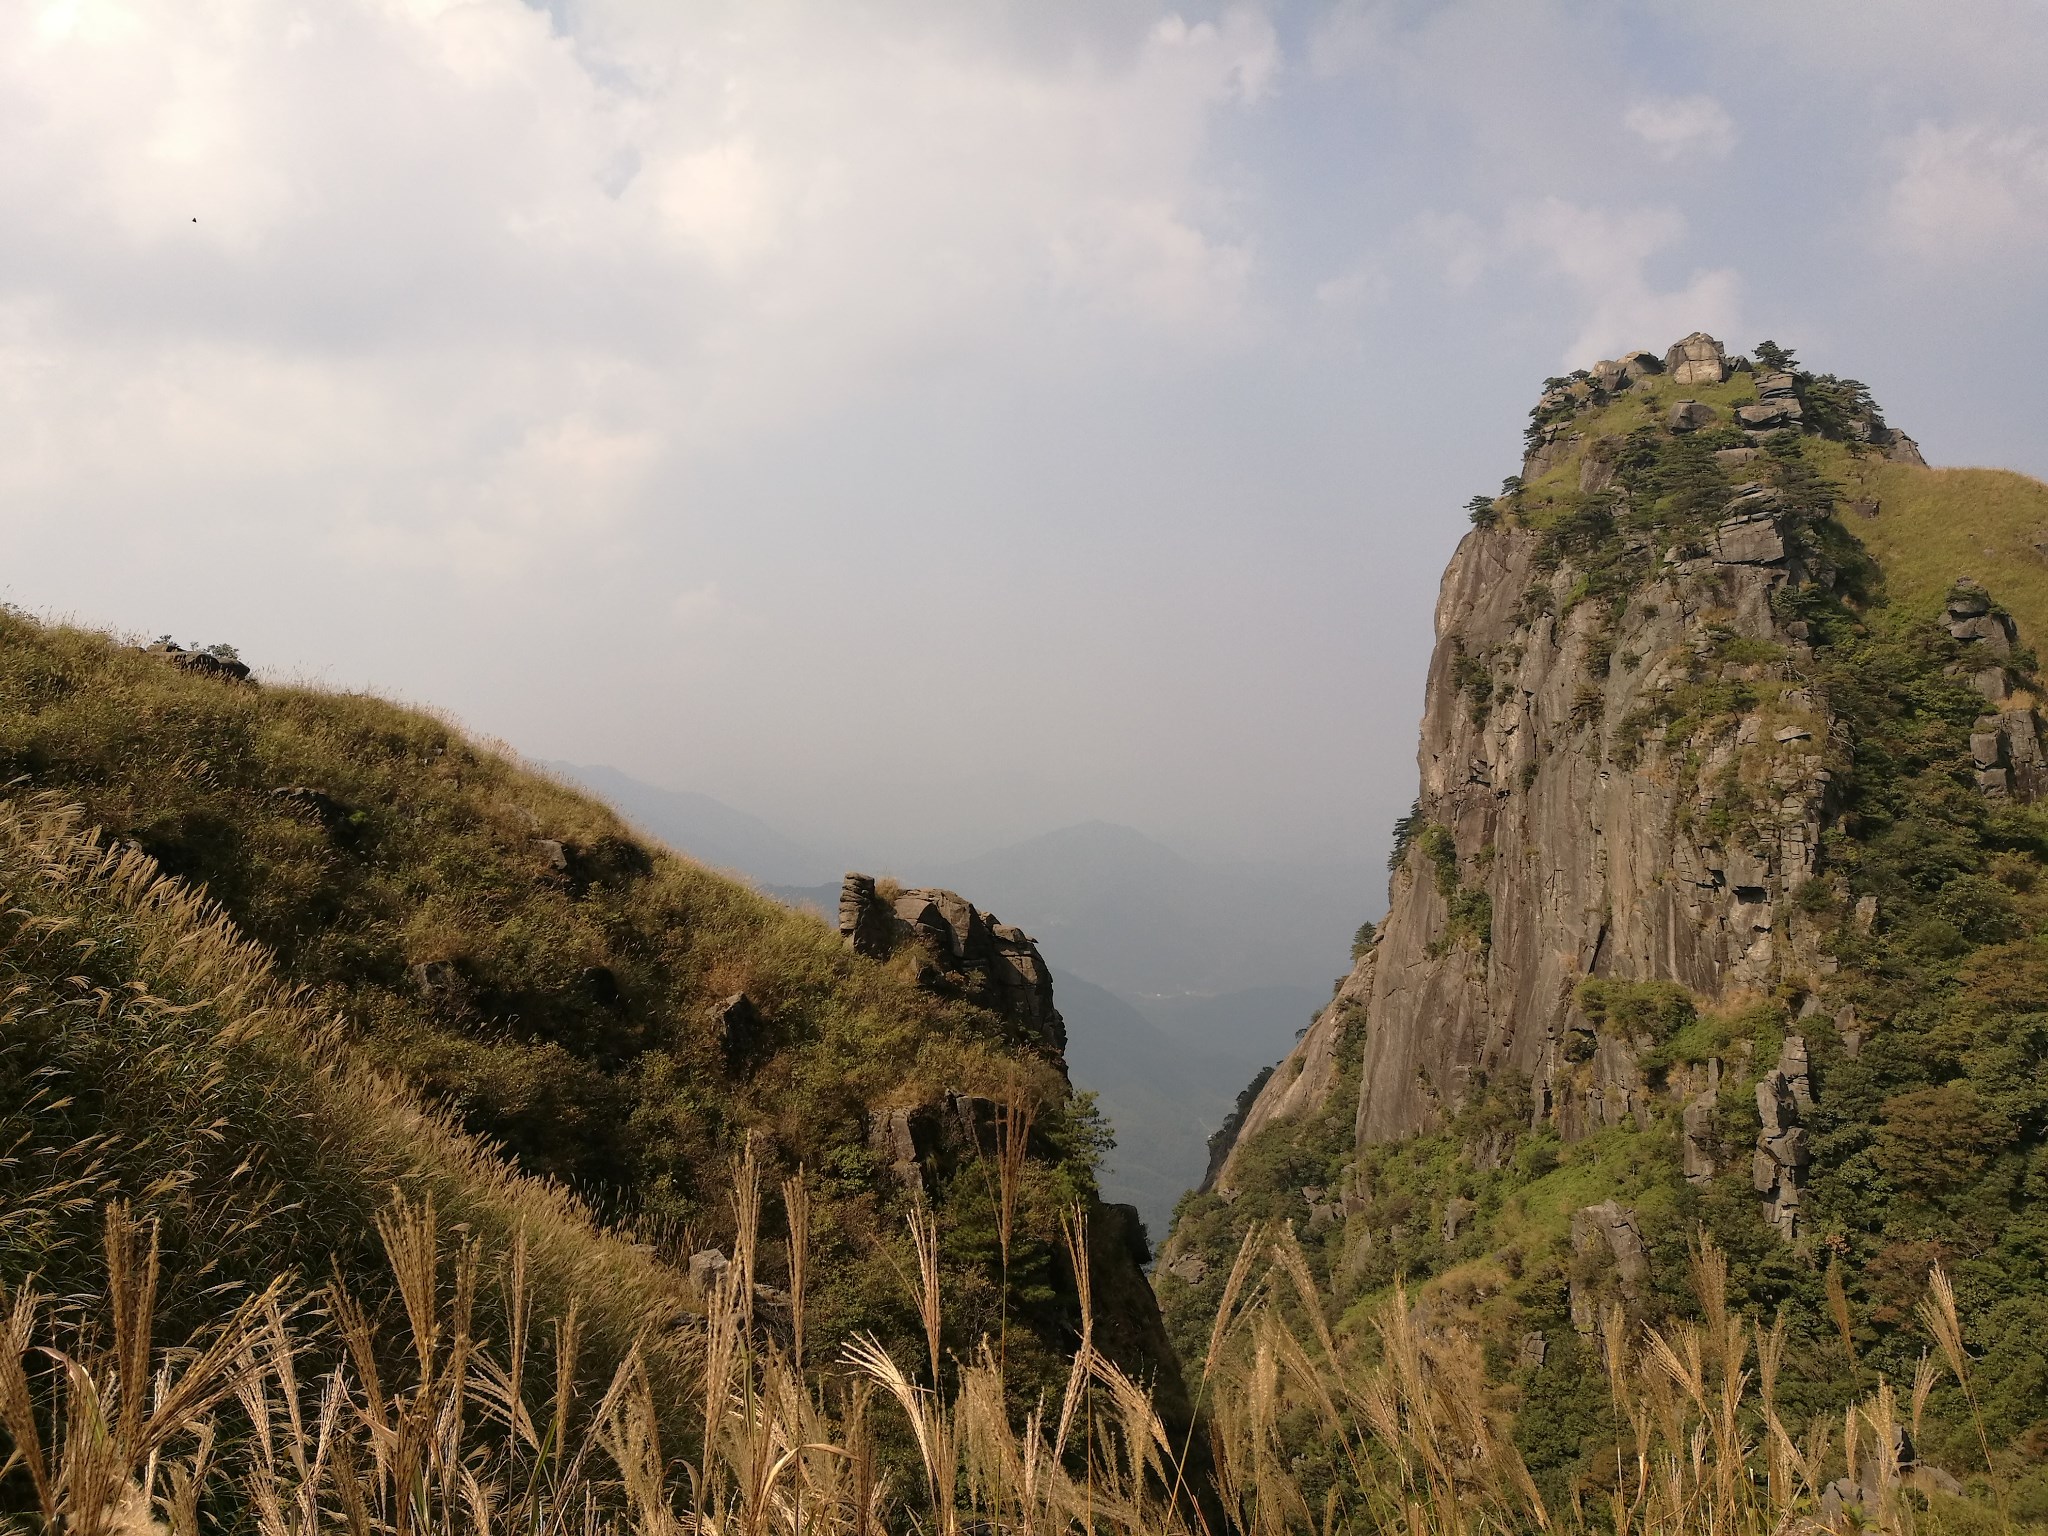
(1163, 1096)
(1110, 903)
(708, 830)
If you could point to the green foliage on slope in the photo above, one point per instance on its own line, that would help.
(505, 948)
(153, 1056)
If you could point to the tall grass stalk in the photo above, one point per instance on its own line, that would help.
(315, 1418)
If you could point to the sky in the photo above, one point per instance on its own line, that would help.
(928, 424)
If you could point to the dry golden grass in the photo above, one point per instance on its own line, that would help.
(1934, 525)
(293, 1416)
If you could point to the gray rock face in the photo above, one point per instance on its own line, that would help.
(1696, 1127)
(1967, 599)
(1972, 620)
(1590, 874)
(1559, 443)
(893, 1136)
(2005, 750)
(1596, 469)
(1606, 1231)
(863, 920)
(1768, 415)
(1901, 449)
(708, 1267)
(1637, 366)
(1754, 537)
(1987, 638)
(1690, 416)
(1993, 632)
(1190, 1268)
(1778, 1168)
(1457, 1212)
(1698, 359)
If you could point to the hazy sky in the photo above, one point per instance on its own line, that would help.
(927, 424)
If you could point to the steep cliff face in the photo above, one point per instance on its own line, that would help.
(1562, 830)
(1722, 908)
(1593, 847)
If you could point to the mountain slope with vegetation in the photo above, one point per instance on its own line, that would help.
(481, 939)
(1722, 916)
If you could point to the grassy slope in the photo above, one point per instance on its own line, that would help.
(579, 1031)
(152, 1055)
(1934, 525)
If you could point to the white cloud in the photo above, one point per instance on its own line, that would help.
(1970, 191)
(462, 289)
(1676, 126)
(1604, 254)
(1361, 287)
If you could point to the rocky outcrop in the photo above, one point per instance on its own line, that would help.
(1899, 448)
(1604, 1236)
(739, 1025)
(908, 1140)
(219, 661)
(1777, 405)
(2005, 749)
(1784, 1098)
(961, 950)
(1698, 1093)
(1985, 635)
(958, 950)
(1698, 359)
(865, 921)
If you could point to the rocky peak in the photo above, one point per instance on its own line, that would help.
(960, 951)
(1785, 399)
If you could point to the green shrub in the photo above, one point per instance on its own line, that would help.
(1628, 1008)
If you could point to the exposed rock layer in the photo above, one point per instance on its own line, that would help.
(961, 949)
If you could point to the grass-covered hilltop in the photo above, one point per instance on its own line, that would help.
(275, 956)
(1721, 919)
(395, 1142)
